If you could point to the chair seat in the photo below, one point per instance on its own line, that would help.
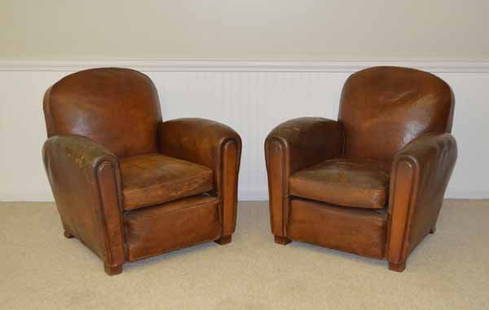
(343, 182)
(153, 179)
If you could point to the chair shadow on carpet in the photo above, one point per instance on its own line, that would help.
(303, 246)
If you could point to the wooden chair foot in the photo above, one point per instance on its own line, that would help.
(397, 267)
(68, 235)
(282, 240)
(112, 270)
(224, 240)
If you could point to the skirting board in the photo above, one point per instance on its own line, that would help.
(250, 96)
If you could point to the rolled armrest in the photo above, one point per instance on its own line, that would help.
(419, 177)
(196, 140)
(210, 144)
(306, 141)
(291, 146)
(86, 153)
(85, 181)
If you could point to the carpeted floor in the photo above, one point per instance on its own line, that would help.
(40, 269)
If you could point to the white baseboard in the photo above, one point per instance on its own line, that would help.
(453, 193)
(250, 96)
(255, 194)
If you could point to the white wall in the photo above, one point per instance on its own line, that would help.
(250, 97)
(257, 29)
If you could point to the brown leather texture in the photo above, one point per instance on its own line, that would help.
(344, 182)
(85, 180)
(420, 175)
(291, 146)
(384, 108)
(128, 185)
(118, 108)
(390, 151)
(353, 230)
(212, 145)
(174, 225)
(152, 179)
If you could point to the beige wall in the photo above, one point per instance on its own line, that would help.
(259, 29)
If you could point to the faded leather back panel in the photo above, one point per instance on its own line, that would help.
(118, 108)
(384, 108)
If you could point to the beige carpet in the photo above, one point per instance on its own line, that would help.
(40, 269)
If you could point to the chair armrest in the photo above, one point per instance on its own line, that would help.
(291, 146)
(85, 180)
(83, 151)
(210, 144)
(419, 177)
(306, 141)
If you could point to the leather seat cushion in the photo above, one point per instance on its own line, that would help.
(152, 179)
(353, 230)
(170, 226)
(343, 182)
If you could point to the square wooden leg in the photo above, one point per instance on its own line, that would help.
(68, 235)
(112, 270)
(224, 240)
(282, 240)
(397, 267)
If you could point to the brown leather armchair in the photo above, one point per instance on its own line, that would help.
(372, 182)
(128, 185)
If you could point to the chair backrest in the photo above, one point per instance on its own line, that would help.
(384, 108)
(118, 108)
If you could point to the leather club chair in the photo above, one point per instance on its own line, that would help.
(372, 182)
(128, 185)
